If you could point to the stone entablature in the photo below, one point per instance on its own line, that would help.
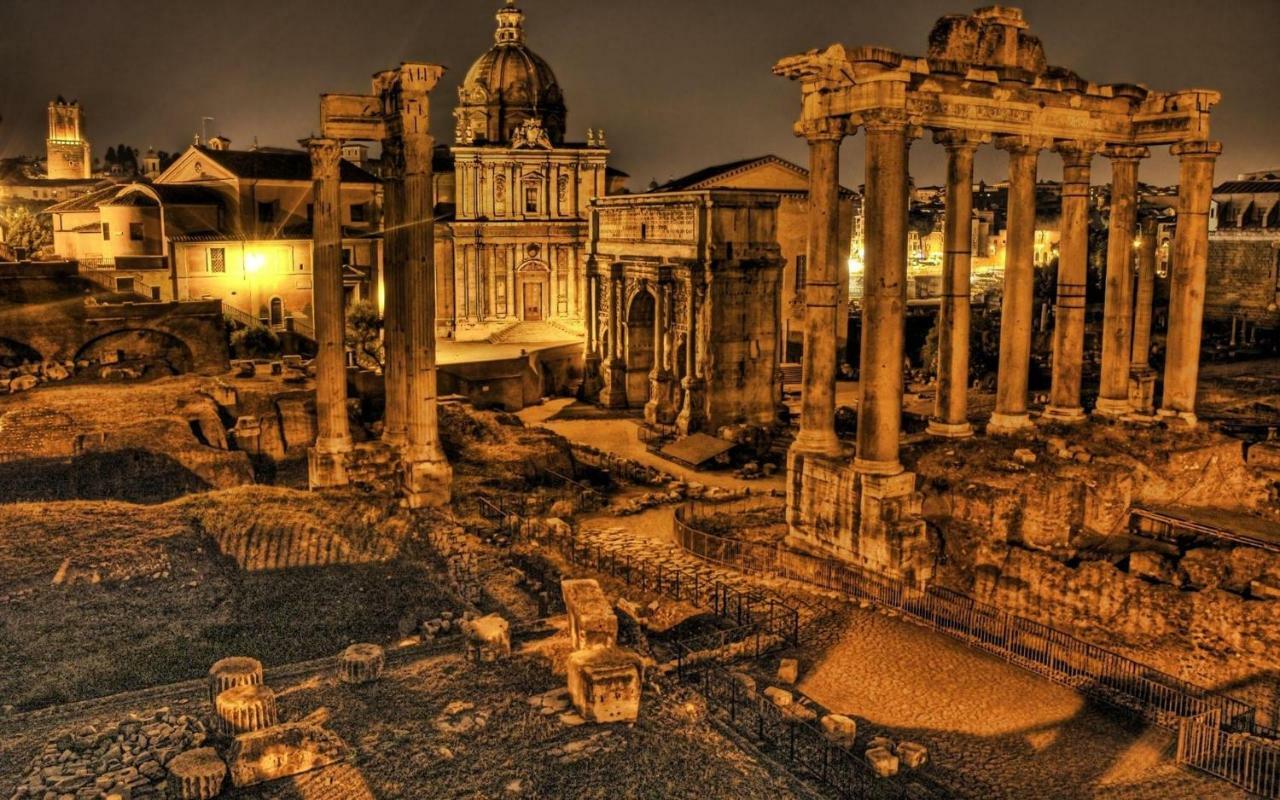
(684, 318)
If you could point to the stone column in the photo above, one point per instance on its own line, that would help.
(951, 405)
(1016, 309)
(1073, 269)
(691, 412)
(1142, 378)
(395, 427)
(1186, 287)
(658, 409)
(327, 461)
(591, 361)
(614, 393)
(884, 298)
(821, 293)
(427, 474)
(1117, 322)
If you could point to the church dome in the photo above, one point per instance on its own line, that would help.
(507, 86)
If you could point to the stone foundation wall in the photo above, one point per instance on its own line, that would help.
(1242, 277)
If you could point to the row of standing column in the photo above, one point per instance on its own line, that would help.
(1126, 332)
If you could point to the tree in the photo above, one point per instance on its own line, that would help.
(24, 231)
(111, 159)
(364, 334)
(255, 342)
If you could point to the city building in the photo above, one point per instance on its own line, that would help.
(1243, 286)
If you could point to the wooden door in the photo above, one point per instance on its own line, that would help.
(532, 302)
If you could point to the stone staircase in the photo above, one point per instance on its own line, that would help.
(535, 333)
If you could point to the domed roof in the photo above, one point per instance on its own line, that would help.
(506, 86)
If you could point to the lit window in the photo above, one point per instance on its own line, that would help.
(217, 259)
(531, 199)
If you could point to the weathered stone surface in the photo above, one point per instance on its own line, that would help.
(604, 684)
(839, 728)
(488, 638)
(1153, 567)
(196, 774)
(592, 621)
(361, 663)
(228, 673)
(882, 762)
(244, 709)
(780, 697)
(912, 755)
(788, 670)
(281, 751)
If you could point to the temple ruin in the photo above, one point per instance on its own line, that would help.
(396, 114)
(985, 79)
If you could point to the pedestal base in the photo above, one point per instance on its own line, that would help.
(1188, 418)
(427, 484)
(892, 536)
(1142, 390)
(1110, 408)
(817, 443)
(614, 393)
(1009, 424)
(1062, 415)
(690, 418)
(659, 410)
(592, 383)
(949, 430)
(326, 469)
(871, 468)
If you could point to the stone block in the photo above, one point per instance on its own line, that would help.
(281, 751)
(1265, 589)
(604, 684)
(244, 709)
(882, 762)
(592, 621)
(788, 670)
(780, 697)
(840, 729)
(1265, 455)
(229, 673)
(1153, 567)
(488, 638)
(196, 774)
(361, 663)
(912, 755)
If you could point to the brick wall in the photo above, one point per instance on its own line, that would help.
(1242, 277)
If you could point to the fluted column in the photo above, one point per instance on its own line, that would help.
(1016, 309)
(691, 413)
(884, 298)
(951, 405)
(821, 293)
(327, 460)
(658, 409)
(1073, 269)
(395, 427)
(427, 474)
(1186, 288)
(614, 393)
(1144, 298)
(1117, 321)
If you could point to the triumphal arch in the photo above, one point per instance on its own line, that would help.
(985, 80)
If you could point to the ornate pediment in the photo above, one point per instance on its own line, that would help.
(531, 135)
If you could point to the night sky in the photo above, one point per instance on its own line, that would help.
(677, 84)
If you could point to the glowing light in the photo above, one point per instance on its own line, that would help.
(253, 262)
(855, 265)
(1137, 242)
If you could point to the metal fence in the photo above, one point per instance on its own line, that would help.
(1249, 762)
(1061, 657)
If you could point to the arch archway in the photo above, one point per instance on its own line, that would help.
(639, 349)
(13, 353)
(276, 312)
(533, 291)
(140, 347)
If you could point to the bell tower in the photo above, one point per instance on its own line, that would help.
(67, 151)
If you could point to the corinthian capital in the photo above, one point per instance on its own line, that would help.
(326, 155)
(960, 139)
(1201, 149)
(1075, 152)
(888, 120)
(1125, 152)
(1022, 145)
(823, 129)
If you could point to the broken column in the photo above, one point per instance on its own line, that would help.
(327, 461)
(951, 405)
(245, 708)
(1117, 322)
(361, 663)
(1187, 282)
(196, 774)
(1142, 378)
(427, 474)
(592, 621)
(604, 684)
(821, 293)
(488, 638)
(229, 673)
(1010, 414)
(1073, 263)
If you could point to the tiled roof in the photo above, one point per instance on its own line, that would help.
(1248, 187)
(696, 180)
(84, 202)
(280, 165)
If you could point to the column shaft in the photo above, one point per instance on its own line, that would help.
(1145, 296)
(1019, 289)
(1117, 322)
(1186, 288)
(395, 429)
(1073, 269)
(818, 397)
(951, 405)
(333, 438)
(884, 299)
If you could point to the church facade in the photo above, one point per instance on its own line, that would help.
(514, 214)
